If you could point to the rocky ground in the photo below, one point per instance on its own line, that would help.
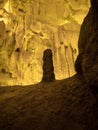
(60, 105)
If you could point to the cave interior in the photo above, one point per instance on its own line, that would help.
(48, 65)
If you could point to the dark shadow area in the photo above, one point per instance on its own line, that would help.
(69, 104)
(60, 105)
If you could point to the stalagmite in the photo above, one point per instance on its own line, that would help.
(48, 69)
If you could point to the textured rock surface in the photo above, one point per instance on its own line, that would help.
(60, 105)
(87, 61)
(48, 69)
(28, 27)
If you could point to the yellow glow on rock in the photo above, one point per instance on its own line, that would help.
(30, 27)
(7, 6)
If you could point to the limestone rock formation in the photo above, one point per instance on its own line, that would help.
(60, 105)
(87, 60)
(31, 26)
(48, 69)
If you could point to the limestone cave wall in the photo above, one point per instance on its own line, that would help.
(28, 27)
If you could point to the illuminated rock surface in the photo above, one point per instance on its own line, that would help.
(28, 27)
(67, 104)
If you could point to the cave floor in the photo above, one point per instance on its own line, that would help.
(60, 105)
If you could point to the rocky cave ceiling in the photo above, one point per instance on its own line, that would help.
(28, 27)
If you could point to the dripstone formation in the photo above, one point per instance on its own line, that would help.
(87, 60)
(48, 69)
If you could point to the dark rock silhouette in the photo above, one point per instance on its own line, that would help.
(78, 66)
(48, 69)
(60, 105)
(87, 61)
